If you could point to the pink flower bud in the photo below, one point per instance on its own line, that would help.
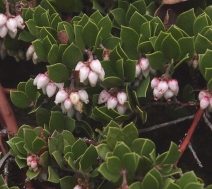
(29, 163)
(154, 82)
(173, 84)
(92, 77)
(12, 34)
(11, 24)
(156, 94)
(3, 19)
(83, 95)
(137, 70)
(78, 106)
(112, 102)
(168, 94)
(43, 80)
(44, 90)
(122, 97)
(103, 97)
(74, 96)
(96, 66)
(176, 92)
(29, 158)
(30, 52)
(60, 96)
(144, 63)
(83, 74)
(68, 104)
(121, 108)
(145, 72)
(34, 164)
(35, 81)
(60, 85)
(20, 22)
(3, 31)
(78, 187)
(102, 74)
(71, 112)
(50, 89)
(162, 87)
(63, 107)
(35, 58)
(202, 94)
(204, 102)
(79, 65)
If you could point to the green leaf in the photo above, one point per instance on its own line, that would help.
(156, 60)
(175, 32)
(38, 144)
(69, 124)
(200, 23)
(55, 20)
(172, 185)
(120, 149)
(101, 115)
(31, 25)
(145, 31)
(170, 48)
(106, 174)
(129, 69)
(88, 158)
(68, 136)
(79, 148)
(202, 44)
(186, 46)
(67, 182)
(31, 90)
(78, 37)
(205, 61)
(102, 150)
(194, 186)
(42, 116)
(53, 54)
(188, 94)
(157, 25)
(37, 15)
(48, 6)
(130, 162)
(50, 32)
(40, 50)
(71, 56)
(132, 8)
(32, 174)
(58, 73)
(145, 47)
(56, 121)
(19, 99)
(26, 36)
(142, 88)
(158, 42)
(120, 68)
(96, 16)
(112, 81)
(119, 15)
(114, 135)
(185, 21)
(53, 175)
(150, 181)
(114, 165)
(209, 85)
(131, 41)
(106, 24)
(89, 33)
(135, 19)
(111, 42)
(58, 157)
(142, 147)
(45, 19)
(135, 185)
(28, 14)
(186, 178)
(130, 133)
(29, 137)
(20, 147)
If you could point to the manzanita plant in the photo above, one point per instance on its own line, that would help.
(109, 66)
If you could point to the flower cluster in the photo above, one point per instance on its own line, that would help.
(114, 101)
(71, 101)
(10, 25)
(31, 54)
(90, 72)
(163, 88)
(32, 162)
(205, 99)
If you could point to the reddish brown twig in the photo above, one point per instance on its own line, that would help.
(7, 90)
(190, 132)
(6, 114)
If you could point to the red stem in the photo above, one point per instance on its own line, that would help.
(191, 130)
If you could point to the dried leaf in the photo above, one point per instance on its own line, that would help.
(170, 18)
(62, 37)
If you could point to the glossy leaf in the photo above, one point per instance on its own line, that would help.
(19, 99)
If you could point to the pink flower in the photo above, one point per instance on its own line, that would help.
(78, 106)
(204, 102)
(20, 22)
(43, 80)
(162, 87)
(50, 89)
(121, 108)
(137, 70)
(168, 94)
(60, 96)
(3, 31)
(144, 63)
(68, 104)
(12, 34)
(30, 52)
(103, 97)
(79, 65)
(102, 74)
(83, 74)
(96, 66)
(157, 94)
(35, 58)
(92, 77)
(173, 85)
(3, 19)
(154, 83)
(112, 102)
(11, 24)
(59, 85)
(202, 94)
(78, 187)
(83, 95)
(34, 164)
(122, 97)
(35, 81)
